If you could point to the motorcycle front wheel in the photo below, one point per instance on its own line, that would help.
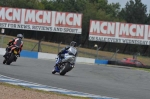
(10, 60)
(4, 61)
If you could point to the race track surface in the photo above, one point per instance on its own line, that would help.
(111, 81)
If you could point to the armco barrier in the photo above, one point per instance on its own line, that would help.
(39, 55)
(46, 56)
(85, 60)
(53, 56)
(97, 61)
(24, 53)
(2, 51)
(29, 54)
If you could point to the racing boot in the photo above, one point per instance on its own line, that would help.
(56, 69)
(5, 54)
(15, 58)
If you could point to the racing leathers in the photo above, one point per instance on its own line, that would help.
(62, 53)
(16, 42)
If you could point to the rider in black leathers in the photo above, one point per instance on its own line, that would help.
(63, 51)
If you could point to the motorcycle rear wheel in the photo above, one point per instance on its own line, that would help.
(65, 69)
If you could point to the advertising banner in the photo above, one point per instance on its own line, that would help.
(40, 20)
(117, 32)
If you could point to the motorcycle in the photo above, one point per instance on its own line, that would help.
(11, 57)
(66, 64)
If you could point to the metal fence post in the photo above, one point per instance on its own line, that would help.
(39, 45)
(78, 46)
(59, 46)
(78, 49)
(97, 49)
(2, 37)
(117, 50)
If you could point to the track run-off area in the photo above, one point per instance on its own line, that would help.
(111, 81)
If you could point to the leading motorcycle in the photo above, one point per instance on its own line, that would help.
(12, 56)
(67, 63)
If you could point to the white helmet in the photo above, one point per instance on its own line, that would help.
(73, 43)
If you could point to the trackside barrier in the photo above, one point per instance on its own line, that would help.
(46, 56)
(85, 60)
(53, 56)
(24, 53)
(39, 55)
(97, 61)
(29, 54)
(2, 51)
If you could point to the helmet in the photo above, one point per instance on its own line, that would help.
(19, 36)
(73, 43)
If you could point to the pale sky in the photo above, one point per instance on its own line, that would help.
(123, 3)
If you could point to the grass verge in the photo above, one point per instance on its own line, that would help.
(35, 90)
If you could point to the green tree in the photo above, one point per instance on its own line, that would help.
(134, 12)
(30, 4)
(98, 10)
(48, 5)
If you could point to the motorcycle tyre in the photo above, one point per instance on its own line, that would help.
(10, 60)
(65, 69)
(4, 61)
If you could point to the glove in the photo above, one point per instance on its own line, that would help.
(59, 53)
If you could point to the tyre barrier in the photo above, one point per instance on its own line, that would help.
(112, 62)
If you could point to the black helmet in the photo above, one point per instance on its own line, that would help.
(19, 36)
(73, 43)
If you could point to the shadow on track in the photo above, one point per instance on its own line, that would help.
(64, 75)
(10, 65)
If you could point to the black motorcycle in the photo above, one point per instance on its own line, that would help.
(11, 57)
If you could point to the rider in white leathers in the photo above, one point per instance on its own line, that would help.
(65, 50)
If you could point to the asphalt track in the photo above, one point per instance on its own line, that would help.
(111, 81)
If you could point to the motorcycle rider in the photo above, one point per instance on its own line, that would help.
(13, 43)
(65, 50)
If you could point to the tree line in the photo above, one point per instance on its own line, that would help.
(133, 12)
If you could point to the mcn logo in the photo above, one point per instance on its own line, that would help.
(30, 17)
(118, 32)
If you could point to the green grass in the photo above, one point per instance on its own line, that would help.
(49, 47)
(147, 70)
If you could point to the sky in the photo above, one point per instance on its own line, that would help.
(123, 3)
